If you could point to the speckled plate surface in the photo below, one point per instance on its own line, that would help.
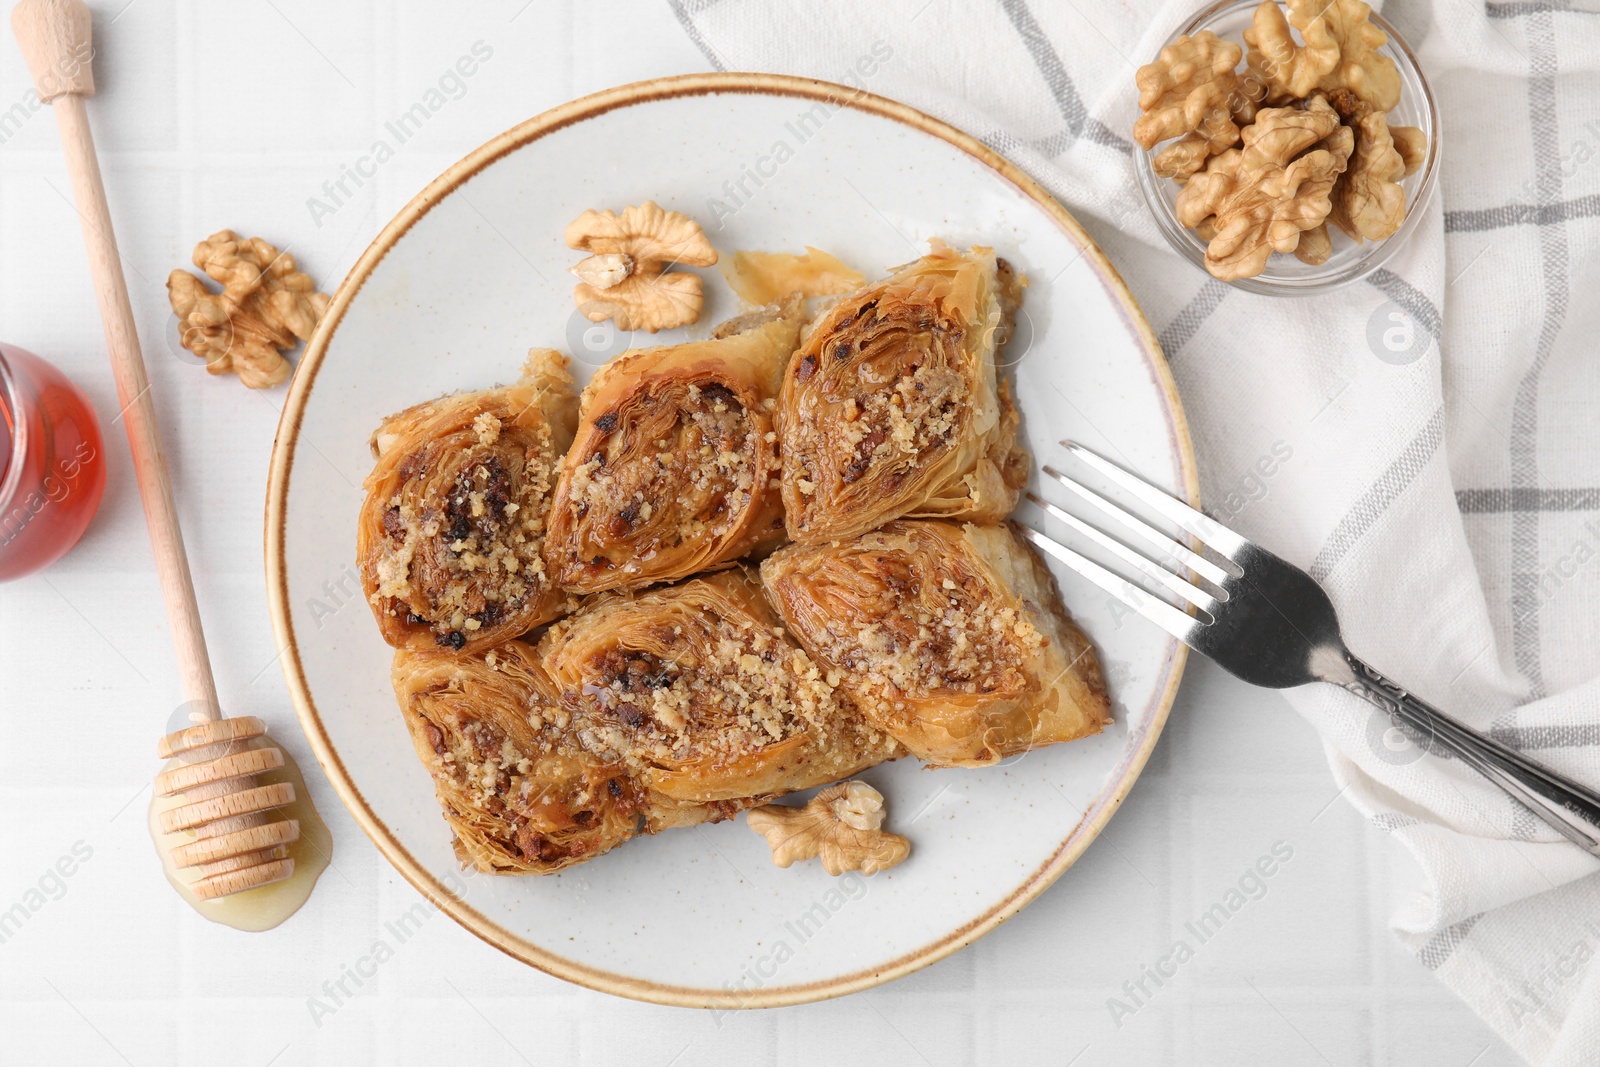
(470, 275)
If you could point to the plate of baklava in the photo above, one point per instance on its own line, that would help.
(643, 541)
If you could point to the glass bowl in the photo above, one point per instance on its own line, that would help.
(1284, 274)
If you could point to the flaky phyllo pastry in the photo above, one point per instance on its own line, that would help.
(637, 714)
(695, 690)
(764, 277)
(520, 790)
(892, 406)
(586, 653)
(675, 465)
(451, 534)
(951, 637)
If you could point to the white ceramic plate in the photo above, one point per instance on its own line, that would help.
(470, 275)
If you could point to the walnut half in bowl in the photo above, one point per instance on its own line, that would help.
(1286, 149)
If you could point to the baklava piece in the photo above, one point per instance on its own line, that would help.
(450, 538)
(951, 637)
(675, 466)
(893, 407)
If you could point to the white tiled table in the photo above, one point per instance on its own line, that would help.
(234, 115)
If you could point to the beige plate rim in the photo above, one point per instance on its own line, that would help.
(283, 452)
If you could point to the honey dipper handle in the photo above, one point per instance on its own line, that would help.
(57, 44)
(55, 39)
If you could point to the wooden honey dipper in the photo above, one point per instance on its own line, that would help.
(240, 837)
(241, 841)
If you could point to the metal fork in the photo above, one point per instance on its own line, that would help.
(1266, 621)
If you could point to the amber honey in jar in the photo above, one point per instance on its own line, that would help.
(52, 463)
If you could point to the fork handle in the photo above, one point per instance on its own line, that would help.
(1571, 809)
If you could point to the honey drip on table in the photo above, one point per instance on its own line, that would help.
(254, 910)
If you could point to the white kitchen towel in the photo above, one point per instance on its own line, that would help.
(1426, 443)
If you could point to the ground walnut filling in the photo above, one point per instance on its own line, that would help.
(463, 559)
(692, 479)
(732, 690)
(967, 644)
(481, 761)
(903, 400)
(497, 779)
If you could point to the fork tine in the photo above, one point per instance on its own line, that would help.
(1198, 597)
(1203, 526)
(1193, 560)
(1156, 610)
